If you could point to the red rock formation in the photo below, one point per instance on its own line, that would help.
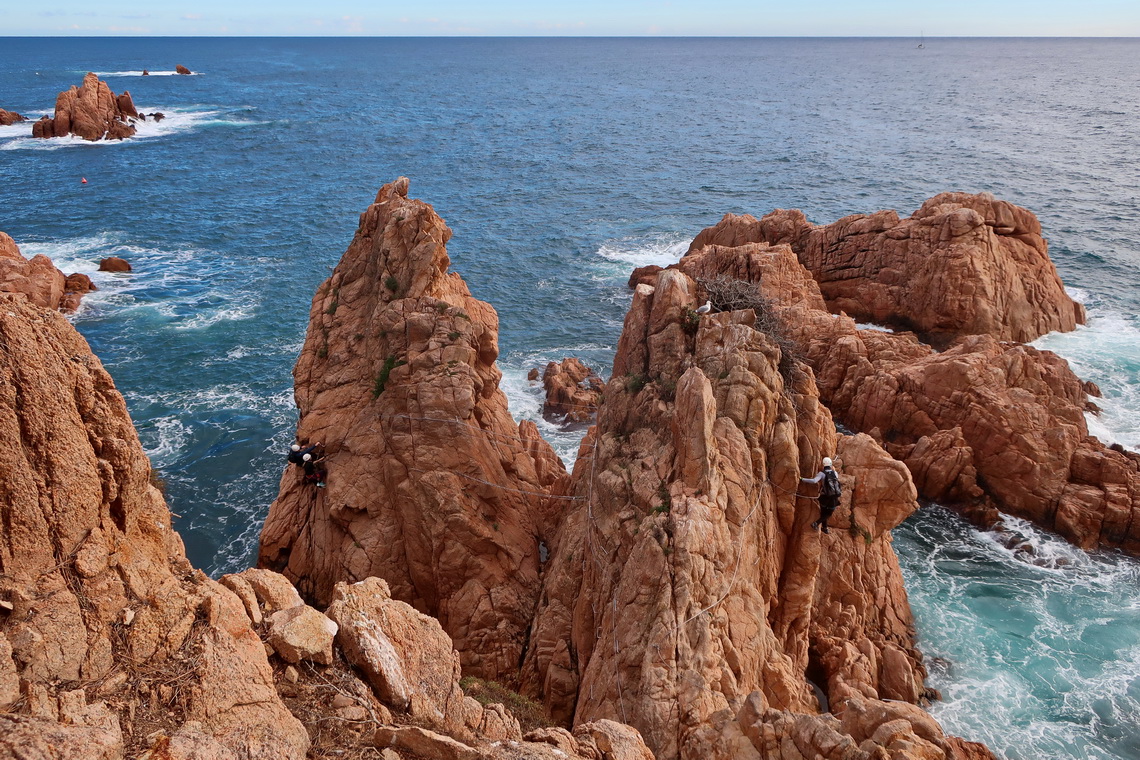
(114, 264)
(90, 111)
(38, 279)
(431, 484)
(686, 581)
(961, 264)
(102, 612)
(572, 390)
(984, 425)
(8, 118)
(182, 69)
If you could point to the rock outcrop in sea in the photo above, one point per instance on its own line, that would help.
(38, 279)
(986, 424)
(573, 391)
(91, 111)
(431, 484)
(8, 118)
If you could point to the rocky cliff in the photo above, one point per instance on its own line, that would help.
(431, 484)
(687, 593)
(107, 635)
(984, 425)
(961, 264)
(90, 111)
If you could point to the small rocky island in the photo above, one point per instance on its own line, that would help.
(91, 111)
(454, 592)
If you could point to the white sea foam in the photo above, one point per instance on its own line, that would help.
(1107, 352)
(661, 250)
(163, 438)
(139, 73)
(177, 120)
(872, 326)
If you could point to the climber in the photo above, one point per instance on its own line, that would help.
(313, 473)
(297, 454)
(829, 492)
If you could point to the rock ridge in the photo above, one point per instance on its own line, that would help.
(91, 111)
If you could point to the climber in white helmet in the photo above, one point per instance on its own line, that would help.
(829, 493)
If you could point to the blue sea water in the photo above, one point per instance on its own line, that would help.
(560, 164)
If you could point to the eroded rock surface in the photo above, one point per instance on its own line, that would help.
(431, 484)
(984, 425)
(91, 111)
(961, 264)
(38, 279)
(687, 580)
(105, 612)
(8, 118)
(572, 390)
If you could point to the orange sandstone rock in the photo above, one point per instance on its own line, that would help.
(686, 577)
(431, 485)
(961, 264)
(90, 111)
(98, 586)
(572, 390)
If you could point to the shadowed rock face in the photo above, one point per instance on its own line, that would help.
(431, 484)
(101, 606)
(984, 425)
(90, 111)
(962, 264)
(687, 578)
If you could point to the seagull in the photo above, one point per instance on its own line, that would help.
(705, 309)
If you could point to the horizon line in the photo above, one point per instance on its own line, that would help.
(580, 36)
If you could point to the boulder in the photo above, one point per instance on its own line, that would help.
(302, 633)
(182, 69)
(8, 118)
(410, 663)
(114, 264)
(572, 391)
(90, 111)
(431, 484)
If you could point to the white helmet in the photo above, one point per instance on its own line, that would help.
(307, 457)
(296, 447)
(827, 461)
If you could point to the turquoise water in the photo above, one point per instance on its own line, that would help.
(560, 165)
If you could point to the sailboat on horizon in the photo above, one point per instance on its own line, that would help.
(921, 40)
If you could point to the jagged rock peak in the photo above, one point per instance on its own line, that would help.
(431, 485)
(687, 583)
(38, 279)
(91, 111)
(961, 264)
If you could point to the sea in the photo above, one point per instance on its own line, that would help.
(561, 164)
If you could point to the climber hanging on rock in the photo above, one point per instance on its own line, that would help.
(829, 493)
(297, 453)
(314, 471)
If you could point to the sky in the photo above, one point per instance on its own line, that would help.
(761, 18)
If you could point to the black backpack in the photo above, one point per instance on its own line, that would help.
(830, 485)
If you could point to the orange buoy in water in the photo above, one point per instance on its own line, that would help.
(84, 180)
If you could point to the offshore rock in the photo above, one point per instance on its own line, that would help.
(114, 264)
(90, 111)
(572, 390)
(8, 118)
(431, 485)
(961, 264)
(100, 592)
(984, 425)
(686, 578)
(38, 279)
(182, 69)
